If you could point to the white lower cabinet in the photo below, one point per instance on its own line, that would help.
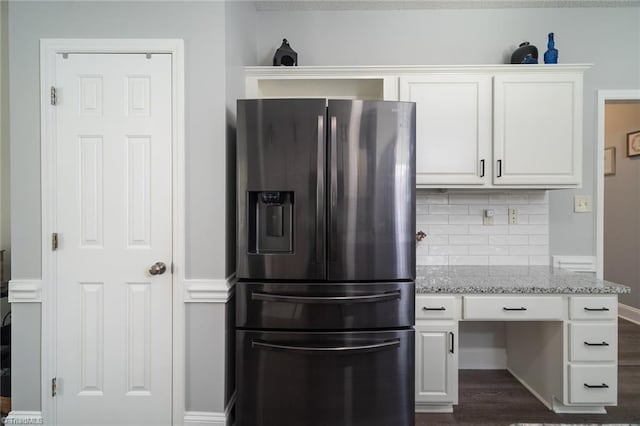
(593, 384)
(436, 366)
(593, 350)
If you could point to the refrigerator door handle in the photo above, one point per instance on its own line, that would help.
(368, 298)
(320, 234)
(334, 189)
(339, 349)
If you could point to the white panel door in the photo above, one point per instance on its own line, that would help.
(453, 128)
(437, 364)
(537, 129)
(114, 339)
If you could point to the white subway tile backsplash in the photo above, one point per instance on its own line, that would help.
(500, 219)
(432, 218)
(448, 209)
(509, 239)
(465, 220)
(539, 239)
(539, 260)
(519, 198)
(448, 229)
(456, 235)
(534, 209)
(422, 209)
(489, 250)
(468, 260)
(508, 260)
(538, 197)
(500, 198)
(468, 239)
(448, 250)
(468, 198)
(431, 239)
(497, 209)
(529, 250)
(422, 249)
(437, 199)
(488, 229)
(432, 260)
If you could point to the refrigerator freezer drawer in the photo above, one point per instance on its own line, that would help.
(327, 306)
(320, 379)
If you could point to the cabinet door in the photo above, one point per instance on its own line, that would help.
(437, 363)
(453, 128)
(537, 129)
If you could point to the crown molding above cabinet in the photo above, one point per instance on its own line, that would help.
(478, 126)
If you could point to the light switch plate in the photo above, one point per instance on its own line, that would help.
(582, 204)
(487, 217)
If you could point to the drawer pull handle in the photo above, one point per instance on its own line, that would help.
(596, 309)
(336, 300)
(504, 308)
(602, 386)
(441, 308)
(321, 349)
(596, 344)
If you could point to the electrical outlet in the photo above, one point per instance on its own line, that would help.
(513, 216)
(582, 204)
(487, 217)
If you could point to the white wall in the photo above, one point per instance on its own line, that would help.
(607, 37)
(202, 26)
(622, 202)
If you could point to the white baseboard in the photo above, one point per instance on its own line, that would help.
(24, 418)
(629, 313)
(575, 263)
(204, 418)
(483, 358)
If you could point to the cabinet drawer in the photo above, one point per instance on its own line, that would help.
(594, 342)
(593, 384)
(513, 308)
(593, 307)
(435, 307)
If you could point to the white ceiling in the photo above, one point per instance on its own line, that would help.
(274, 5)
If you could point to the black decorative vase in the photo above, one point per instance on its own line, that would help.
(285, 55)
(525, 54)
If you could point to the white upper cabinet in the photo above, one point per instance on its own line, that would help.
(453, 127)
(483, 126)
(537, 129)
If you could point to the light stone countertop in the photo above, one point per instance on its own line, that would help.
(510, 280)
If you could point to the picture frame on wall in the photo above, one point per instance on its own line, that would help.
(610, 161)
(633, 143)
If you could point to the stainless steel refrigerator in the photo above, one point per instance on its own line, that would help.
(325, 263)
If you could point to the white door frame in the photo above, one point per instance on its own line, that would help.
(49, 48)
(603, 97)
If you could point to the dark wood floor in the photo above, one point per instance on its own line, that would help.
(494, 397)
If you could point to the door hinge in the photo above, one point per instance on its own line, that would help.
(54, 386)
(54, 241)
(54, 99)
(172, 267)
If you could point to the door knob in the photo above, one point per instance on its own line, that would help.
(158, 268)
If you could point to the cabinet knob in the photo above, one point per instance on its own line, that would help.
(420, 235)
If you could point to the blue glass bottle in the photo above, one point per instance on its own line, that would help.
(551, 55)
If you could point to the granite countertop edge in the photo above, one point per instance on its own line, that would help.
(511, 280)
